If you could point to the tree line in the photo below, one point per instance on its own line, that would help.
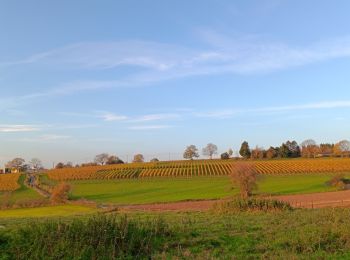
(104, 159)
(289, 149)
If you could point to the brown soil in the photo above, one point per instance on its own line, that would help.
(318, 200)
(314, 200)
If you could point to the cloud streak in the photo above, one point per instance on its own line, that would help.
(229, 113)
(112, 117)
(157, 62)
(157, 117)
(47, 138)
(149, 127)
(221, 53)
(18, 128)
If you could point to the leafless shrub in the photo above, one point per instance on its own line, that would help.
(244, 175)
(60, 193)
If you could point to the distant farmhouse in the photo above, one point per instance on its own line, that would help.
(9, 170)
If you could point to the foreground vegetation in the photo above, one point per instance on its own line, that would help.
(152, 190)
(307, 234)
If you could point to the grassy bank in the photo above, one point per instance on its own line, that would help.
(306, 234)
(21, 196)
(47, 211)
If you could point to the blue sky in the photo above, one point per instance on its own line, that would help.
(78, 78)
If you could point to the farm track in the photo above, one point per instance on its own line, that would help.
(314, 200)
(31, 183)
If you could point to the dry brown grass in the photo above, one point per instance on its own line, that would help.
(60, 193)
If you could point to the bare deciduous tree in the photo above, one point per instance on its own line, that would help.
(258, 153)
(114, 160)
(59, 165)
(230, 152)
(16, 163)
(191, 152)
(210, 150)
(344, 147)
(36, 164)
(138, 158)
(101, 158)
(309, 148)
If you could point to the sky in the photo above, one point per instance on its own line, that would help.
(79, 78)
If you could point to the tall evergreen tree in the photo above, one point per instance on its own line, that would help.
(245, 150)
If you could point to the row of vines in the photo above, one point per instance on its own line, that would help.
(9, 182)
(198, 168)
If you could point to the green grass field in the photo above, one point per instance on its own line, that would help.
(151, 190)
(195, 188)
(21, 195)
(48, 211)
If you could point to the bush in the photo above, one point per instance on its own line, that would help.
(60, 193)
(252, 204)
(225, 156)
(245, 176)
(338, 181)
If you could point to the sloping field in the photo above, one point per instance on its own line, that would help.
(49, 211)
(314, 200)
(198, 168)
(9, 182)
(21, 195)
(153, 190)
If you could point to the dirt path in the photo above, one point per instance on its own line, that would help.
(318, 200)
(31, 183)
(315, 200)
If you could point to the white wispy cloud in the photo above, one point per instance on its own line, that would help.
(53, 137)
(113, 117)
(107, 55)
(18, 128)
(149, 127)
(157, 62)
(228, 113)
(156, 117)
(220, 114)
(221, 54)
(110, 116)
(46, 138)
(15, 128)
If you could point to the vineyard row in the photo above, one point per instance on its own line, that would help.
(198, 168)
